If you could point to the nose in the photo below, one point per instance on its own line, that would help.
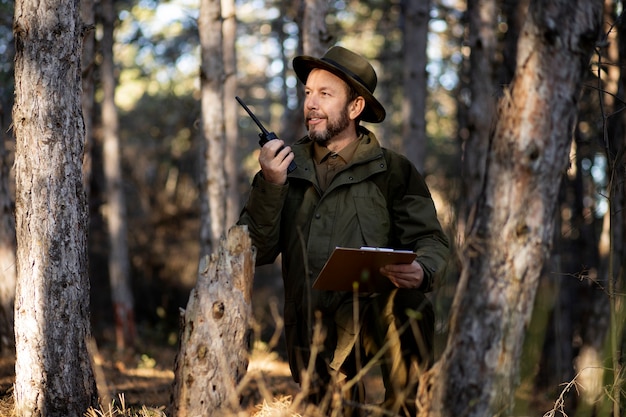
(310, 102)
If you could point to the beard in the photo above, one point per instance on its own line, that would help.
(333, 128)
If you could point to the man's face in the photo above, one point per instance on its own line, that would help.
(326, 112)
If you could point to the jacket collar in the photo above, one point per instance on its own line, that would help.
(367, 160)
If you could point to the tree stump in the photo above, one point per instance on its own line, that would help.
(215, 331)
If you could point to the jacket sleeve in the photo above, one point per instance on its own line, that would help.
(415, 223)
(262, 214)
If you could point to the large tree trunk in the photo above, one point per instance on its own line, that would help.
(215, 337)
(53, 371)
(213, 185)
(117, 223)
(415, 38)
(510, 239)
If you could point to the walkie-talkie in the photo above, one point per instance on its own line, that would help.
(264, 136)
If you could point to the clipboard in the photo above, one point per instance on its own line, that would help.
(350, 269)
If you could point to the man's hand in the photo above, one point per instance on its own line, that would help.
(274, 165)
(404, 275)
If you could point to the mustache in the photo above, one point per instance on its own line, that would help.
(315, 115)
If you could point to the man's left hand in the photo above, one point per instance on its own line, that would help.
(404, 275)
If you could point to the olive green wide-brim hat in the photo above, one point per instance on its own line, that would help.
(353, 69)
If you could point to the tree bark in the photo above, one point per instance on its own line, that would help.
(53, 371)
(415, 37)
(510, 239)
(215, 334)
(117, 222)
(213, 184)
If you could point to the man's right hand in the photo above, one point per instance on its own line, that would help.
(274, 165)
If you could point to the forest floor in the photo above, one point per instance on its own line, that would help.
(143, 376)
(143, 379)
(136, 380)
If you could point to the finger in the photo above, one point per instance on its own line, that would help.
(273, 145)
(284, 153)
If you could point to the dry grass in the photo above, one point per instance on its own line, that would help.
(119, 409)
(279, 407)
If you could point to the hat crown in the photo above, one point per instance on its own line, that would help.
(354, 65)
(355, 70)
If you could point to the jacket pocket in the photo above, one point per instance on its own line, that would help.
(373, 218)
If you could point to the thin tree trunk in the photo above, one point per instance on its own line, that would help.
(509, 241)
(315, 40)
(481, 112)
(415, 37)
(231, 167)
(215, 337)
(514, 14)
(88, 17)
(618, 206)
(213, 185)
(8, 273)
(7, 256)
(596, 319)
(53, 370)
(119, 264)
(616, 257)
(315, 34)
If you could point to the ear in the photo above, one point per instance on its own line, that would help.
(355, 108)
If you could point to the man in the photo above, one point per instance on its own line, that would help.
(347, 191)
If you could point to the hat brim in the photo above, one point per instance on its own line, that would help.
(374, 112)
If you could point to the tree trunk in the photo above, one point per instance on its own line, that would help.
(615, 261)
(8, 274)
(88, 16)
(510, 239)
(119, 264)
(596, 302)
(315, 36)
(7, 256)
(53, 371)
(415, 35)
(231, 167)
(314, 41)
(215, 334)
(514, 14)
(482, 16)
(213, 185)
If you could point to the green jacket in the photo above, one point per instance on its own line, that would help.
(378, 200)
